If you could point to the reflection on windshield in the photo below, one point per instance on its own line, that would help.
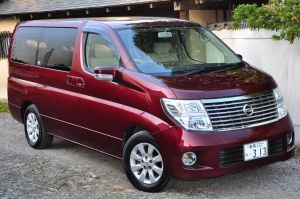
(169, 51)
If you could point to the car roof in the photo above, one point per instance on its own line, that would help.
(113, 22)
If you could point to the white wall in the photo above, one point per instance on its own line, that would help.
(3, 79)
(6, 24)
(278, 58)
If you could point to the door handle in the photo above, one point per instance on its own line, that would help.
(80, 84)
(75, 81)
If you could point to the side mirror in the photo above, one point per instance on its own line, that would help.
(105, 73)
(240, 56)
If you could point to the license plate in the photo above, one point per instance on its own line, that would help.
(256, 150)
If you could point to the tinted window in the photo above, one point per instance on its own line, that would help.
(56, 48)
(99, 52)
(25, 45)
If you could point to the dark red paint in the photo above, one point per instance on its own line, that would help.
(97, 114)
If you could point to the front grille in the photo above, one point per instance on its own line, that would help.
(235, 155)
(228, 114)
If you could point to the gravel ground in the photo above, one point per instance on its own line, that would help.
(67, 170)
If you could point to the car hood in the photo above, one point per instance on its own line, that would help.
(241, 81)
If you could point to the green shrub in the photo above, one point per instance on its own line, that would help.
(279, 15)
(4, 108)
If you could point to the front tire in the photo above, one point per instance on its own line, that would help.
(34, 130)
(143, 163)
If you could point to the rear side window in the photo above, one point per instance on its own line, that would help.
(25, 45)
(56, 48)
(45, 47)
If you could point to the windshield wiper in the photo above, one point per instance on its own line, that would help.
(210, 68)
(196, 70)
(229, 67)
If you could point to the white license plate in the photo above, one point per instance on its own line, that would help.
(255, 150)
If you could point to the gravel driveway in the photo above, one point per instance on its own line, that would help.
(67, 170)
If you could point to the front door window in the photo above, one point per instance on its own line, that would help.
(99, 53)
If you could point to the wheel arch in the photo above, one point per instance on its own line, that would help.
(143, 122)
(133, 130)
(24, 106)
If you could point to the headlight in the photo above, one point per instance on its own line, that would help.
(190, 114)
(281, 107)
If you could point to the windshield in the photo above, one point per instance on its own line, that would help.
(169, 51)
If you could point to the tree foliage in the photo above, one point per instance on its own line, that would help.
(278, 15)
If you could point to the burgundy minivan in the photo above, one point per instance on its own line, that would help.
(164, 95)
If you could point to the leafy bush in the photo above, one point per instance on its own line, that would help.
(279, 15)
(4, 108)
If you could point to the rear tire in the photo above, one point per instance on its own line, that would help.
(35, 133)
(143, 163)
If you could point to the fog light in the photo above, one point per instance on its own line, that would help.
(189, 158)
(290, 139)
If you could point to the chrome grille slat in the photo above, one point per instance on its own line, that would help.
(236, 98)
(240, 113)
(248, 121)
(243, 118)
(240, 102)
(239, 108)
(227, 113)
(259, 104)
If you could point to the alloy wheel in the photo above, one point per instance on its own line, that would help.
(32, 127)
(146, 163)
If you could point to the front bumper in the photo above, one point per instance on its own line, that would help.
(208, 147)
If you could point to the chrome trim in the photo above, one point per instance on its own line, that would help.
(227, 113)
(37, 66)
(236, 111)
(80, 127)
(242, 114)
(248, 117)
(120, 158)
(242, 97)
(104, 77)
(14, 105)
(248, 110)
(241, 102)
(248, 121)
(247, 126)
(237, 107)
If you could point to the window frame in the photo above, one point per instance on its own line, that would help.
(102, 32)
(72, 56)
(85, 50)
(13, 40)
(37, 52)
